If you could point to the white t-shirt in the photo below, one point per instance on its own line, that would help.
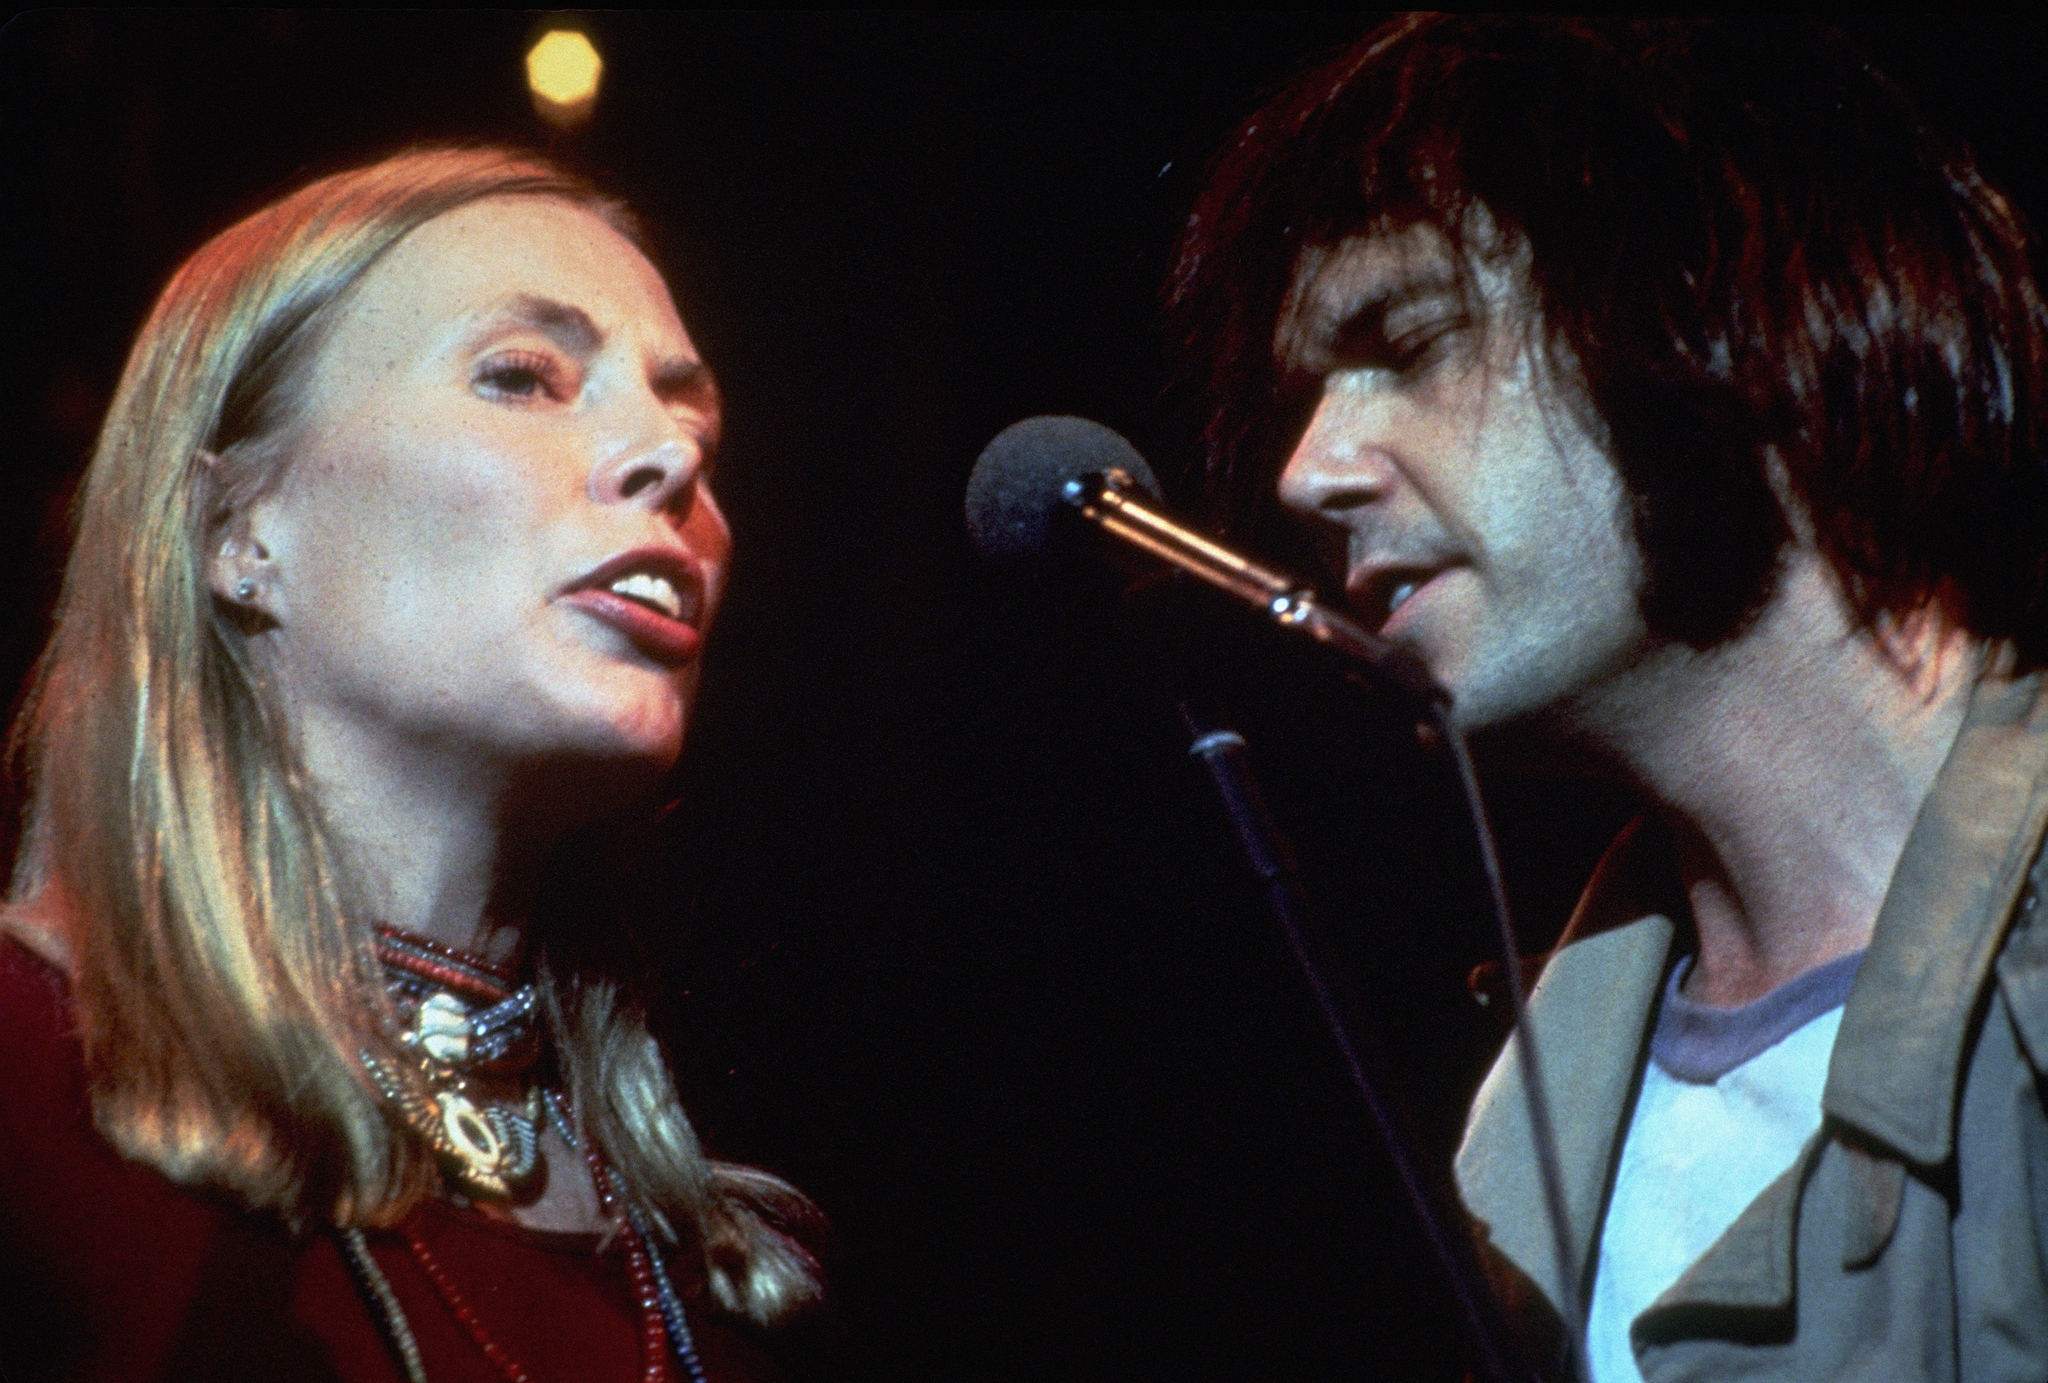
(1729, 1098)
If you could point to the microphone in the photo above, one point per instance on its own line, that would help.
(1042, 469)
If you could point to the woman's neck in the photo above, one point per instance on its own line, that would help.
(426, 840)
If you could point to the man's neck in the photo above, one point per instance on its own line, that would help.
(1789, 766)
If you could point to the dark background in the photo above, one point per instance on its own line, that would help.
(962, 950)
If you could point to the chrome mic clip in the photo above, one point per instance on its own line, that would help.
(1113, 501)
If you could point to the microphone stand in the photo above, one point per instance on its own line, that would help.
(1111, 502)
(1221, 751)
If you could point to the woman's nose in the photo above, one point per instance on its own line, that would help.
(654, 474)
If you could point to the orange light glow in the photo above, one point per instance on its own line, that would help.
(563, 70)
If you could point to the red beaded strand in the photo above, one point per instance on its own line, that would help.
(654, 1347)
(437, 1275)
(461, 971)
(654, 1350)
(447, 976)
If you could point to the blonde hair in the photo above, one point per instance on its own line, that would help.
(223, 988)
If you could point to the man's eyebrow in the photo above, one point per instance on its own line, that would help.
(567, 326)
(1364, 320)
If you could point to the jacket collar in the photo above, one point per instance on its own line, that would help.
(1895, 1073)
(1589, 1015)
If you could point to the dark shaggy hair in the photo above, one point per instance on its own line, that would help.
(1742, 241)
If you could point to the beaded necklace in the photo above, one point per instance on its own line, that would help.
(463, 972)
(460, 1016)
(430, 982)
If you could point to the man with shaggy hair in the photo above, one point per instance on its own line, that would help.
(1677, 396)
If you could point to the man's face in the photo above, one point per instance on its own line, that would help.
(1485, 527)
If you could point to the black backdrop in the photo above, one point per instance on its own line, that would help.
(959, 946)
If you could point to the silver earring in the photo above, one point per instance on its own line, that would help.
(245, 590)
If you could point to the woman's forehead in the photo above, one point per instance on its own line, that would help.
(468, 264)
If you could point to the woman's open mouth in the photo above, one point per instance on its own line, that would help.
(653, 596)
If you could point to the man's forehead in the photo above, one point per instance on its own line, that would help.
(1375, 272)
(1377, 264)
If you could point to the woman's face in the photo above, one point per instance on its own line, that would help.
(491, 540)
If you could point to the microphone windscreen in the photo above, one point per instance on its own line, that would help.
(1015, 487)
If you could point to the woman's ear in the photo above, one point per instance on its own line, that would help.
(240, 570)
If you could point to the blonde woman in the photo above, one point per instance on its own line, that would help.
(392, 568)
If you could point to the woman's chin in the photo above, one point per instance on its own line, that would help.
(613, 750)
(632, 714)
(642, 746)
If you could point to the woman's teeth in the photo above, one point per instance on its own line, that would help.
(656, 591)
(1400, 596)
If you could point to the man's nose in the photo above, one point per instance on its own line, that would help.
(1340, 465)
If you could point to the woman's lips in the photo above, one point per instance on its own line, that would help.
(669, 642)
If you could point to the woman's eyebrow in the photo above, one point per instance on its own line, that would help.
(689, 383)
(568, 326)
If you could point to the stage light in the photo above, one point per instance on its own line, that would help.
(563, 70)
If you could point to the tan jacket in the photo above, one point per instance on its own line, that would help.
(1910, 1239)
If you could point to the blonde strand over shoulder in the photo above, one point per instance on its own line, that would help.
(751, 1230)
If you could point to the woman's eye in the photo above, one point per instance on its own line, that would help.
(522, 376)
